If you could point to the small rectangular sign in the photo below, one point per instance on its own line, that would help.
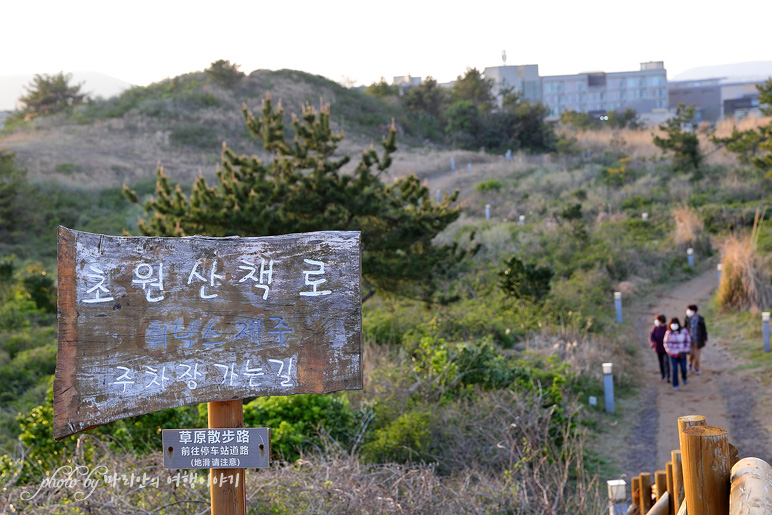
(242, 448)
(147, 324)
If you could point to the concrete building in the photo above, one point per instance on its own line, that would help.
(705, 94)
(405, 82)
(644, 90)
(524, 79)
(715, 98)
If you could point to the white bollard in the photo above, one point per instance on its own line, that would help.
(439, 196)
(645, 217)
(618, 305)
(608, 387)
(690, 257)
(487, 211)
(765, 329)
(521, 220)
(617, 497)
(718, 273)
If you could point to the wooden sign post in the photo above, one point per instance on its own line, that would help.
(147, 324)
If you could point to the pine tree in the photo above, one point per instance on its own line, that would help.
(684, 144)
(51, 94)
(754, 145)
(303, 188)
(764, 162)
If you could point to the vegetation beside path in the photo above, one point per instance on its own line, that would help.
(477, 393)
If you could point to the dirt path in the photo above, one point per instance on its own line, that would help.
(717, 393)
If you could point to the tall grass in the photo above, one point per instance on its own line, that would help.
(745, 281)
(689, 229)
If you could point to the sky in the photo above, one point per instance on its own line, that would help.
(143, 41)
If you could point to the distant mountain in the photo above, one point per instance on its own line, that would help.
(755, 71)
(94, 83)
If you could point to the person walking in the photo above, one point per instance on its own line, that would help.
(677, 343)
(656, 340)
(696, 325)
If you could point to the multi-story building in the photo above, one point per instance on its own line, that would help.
(405, 82)
(598, 92)
(524, 79)
(714, 98)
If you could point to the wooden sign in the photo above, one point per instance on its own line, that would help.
(147, 324)
(216, 448)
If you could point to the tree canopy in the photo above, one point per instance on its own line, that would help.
(225, 72)
(680, 139)
(51, 94)
(303, 188)
(475, 88)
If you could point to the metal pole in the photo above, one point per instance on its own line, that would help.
(765, 329)
(608, 387)
(439, 196)
(487, 211)
(618, 305)
(690, 256)
(452, 164)
(226, 486)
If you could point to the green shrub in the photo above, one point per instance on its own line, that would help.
(489, 185)
(297, 420)
(69, 168)
(403, 440)
(523, 281)
(194, 136)
(43, 455)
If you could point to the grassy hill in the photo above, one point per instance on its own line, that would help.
(180, 122)
(480, 402)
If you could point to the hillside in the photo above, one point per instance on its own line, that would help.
(477, 398)
(94, 83)
(181, 123)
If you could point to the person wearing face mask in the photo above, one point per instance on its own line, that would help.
(656, 340)
(696, 325)
(677, 343)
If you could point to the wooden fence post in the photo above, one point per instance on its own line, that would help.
(635, 491)
(226, 486)
(678, 480)
(660, 481)
(688, 421)
(706, 470)
(751, 490)
(669, 472)
(645, 485)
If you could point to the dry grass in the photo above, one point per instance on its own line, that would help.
(501, 447)
(688, 226)
(639, 144)
(745, 280)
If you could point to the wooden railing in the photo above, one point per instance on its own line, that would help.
(704, 477)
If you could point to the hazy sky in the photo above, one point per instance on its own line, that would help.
(146, 41)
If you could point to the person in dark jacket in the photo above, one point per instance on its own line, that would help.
(656, 340)
(696, 325)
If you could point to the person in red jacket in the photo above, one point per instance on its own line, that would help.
(656, 340)
(677, 343)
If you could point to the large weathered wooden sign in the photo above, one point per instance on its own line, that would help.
(147, 324)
